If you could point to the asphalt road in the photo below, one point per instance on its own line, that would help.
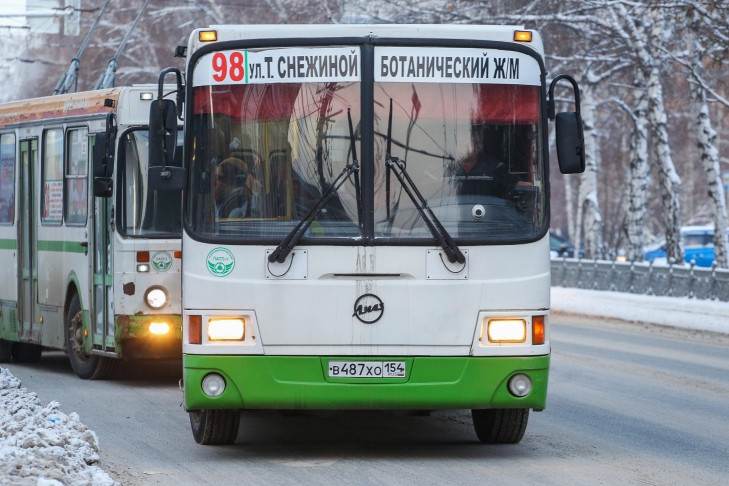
(627, 404)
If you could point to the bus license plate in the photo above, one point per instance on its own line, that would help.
(367, 369)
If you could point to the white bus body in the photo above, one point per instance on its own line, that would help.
(77, 269)
(375, 298)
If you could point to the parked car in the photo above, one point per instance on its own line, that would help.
(698, 245)
(560, 247)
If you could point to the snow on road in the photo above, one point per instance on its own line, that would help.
(40, 445)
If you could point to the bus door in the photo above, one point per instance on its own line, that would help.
(103, 304)
(28, 239)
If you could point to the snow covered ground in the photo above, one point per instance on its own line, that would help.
(40, 445)
(700, 315)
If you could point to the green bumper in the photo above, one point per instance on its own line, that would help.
(302, 382)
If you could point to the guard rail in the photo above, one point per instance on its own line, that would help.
(642, 278)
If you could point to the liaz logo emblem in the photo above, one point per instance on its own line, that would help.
(368, 308)
(220, 262)
(161, 261)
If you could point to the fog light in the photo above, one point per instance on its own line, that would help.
(159, 328)
(213, 385)
(520, 385)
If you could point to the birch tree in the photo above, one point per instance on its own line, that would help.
(706, 137)
(637, 176)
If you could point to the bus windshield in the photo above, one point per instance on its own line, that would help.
(145, 213)
(264, 151)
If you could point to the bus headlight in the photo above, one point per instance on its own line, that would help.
(227, 329)
(506, 330)
(155, 297)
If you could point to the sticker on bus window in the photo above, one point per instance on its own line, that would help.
(294, 65)
(444, 65)
(53, 203)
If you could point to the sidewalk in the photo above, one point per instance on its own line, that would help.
(702, 315)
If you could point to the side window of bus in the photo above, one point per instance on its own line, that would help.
(52, 197)
(77, 157)
(7, 178)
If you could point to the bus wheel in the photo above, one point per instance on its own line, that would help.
(6, 350)
(500, 425)
(215, 427)
(27, 352)
(86, 366)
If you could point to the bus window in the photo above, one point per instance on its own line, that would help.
(77, 156)
(144, 213)
(472, 151)
(289, 142)
(52, 204)
(7, 178)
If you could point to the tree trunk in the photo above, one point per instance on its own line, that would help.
(588, 202)
(637, 180)
(668, 178)
(706, 137)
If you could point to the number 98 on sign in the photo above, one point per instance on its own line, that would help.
(231, 67)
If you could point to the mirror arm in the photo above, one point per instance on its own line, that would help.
(178, 92)
(550, 100)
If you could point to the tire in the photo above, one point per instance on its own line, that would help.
(27, 352)
(6, 351)
(500, 425)
(215, 427)
(86, 366)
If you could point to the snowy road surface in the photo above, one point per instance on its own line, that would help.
(617, 410)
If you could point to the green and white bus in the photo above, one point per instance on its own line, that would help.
(389, 247)
(91, 255)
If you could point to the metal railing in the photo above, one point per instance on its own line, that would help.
(642, 278)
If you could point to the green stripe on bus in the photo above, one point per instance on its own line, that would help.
(61, 246)
(7, 244)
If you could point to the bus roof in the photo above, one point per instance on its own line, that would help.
(58, 106)
(427, 32)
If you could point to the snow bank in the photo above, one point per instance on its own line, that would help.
(681, 312)
(41, 445)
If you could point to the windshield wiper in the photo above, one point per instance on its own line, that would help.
(436, 228)
(292, 239)
(355, 163)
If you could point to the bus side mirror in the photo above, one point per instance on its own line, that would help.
(162, 132)
(570, 143)
(165, 171)
(103, 160)
(568, 130)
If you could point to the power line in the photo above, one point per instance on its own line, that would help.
(107, 78)
(71, 77)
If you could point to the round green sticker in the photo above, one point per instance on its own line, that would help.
(161, 261)
(220, 262)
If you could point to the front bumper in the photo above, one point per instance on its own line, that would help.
(302, 382)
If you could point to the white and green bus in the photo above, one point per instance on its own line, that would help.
(389, 245)
(91, 255)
